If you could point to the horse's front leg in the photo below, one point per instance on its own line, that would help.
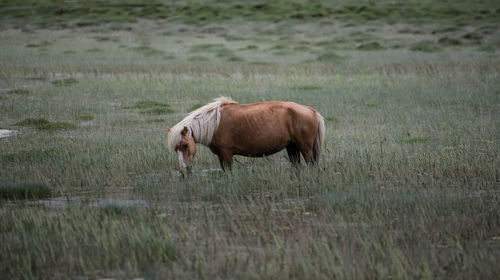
(225, 159)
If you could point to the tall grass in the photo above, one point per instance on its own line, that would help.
(407, 185)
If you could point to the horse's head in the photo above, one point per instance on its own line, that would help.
(186, 149)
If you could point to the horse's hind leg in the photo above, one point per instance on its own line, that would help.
(306, 149)
(293, 153)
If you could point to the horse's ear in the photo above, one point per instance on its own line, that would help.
(169, 129)
(184, 131)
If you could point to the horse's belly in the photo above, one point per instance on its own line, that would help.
(259, 147)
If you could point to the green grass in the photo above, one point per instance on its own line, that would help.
(24, 190)
(146, 104)
(18, 91)
(425, 46)
(407, 186)
(446, 41)
(416, 140)
(27, 156)
(372, 46)
(157, 111)
(84, 117)
(329, 57)
(64, 82)
(306, 87)
(44, 124)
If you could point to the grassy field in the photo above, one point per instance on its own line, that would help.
(408, 185)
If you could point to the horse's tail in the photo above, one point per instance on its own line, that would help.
(318, 141)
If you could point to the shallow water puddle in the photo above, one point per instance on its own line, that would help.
(6, 133)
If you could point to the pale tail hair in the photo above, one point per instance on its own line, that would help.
(318, 141)
(202, 123)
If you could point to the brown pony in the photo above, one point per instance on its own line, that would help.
(253, 130)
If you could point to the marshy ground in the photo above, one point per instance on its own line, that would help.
(408, 182)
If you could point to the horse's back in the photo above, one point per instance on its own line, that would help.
(263, 128)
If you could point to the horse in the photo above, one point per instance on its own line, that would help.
(253, 130)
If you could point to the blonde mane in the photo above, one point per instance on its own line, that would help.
(202, 123)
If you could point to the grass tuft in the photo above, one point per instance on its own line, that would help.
(42, 44)
(415, 140)
(198, 58)
(425, 46)
(148, 51)
(447, 41)
(329, 57)
(27, 156)
(372, 46)
(24, 190)
(306, 87)
(18, 91)
(196, 106)
(44, 124)
(85, 117)
(332, 119)
(157, 111)
(145, 104)
(65, 82)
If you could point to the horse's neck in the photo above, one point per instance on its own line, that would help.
(196, 137)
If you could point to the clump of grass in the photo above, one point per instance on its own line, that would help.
(102, 38)
(228, 55)
(229, 37)
(151, 107)
(94, 50)
(18, 91)
(332, 119)
(145, 104)
(492, 47)
(473, 36)
(84, 117)
(198, 58)
(213, 30)
(306, 87)
(156, 120)
(26, 156)
(415, 140)
(65, 82)
(196, 106)
(33, 78)
(487, 29)
(205, 47)
(446, 29)
(117, 208)
(24, 190)
(42, 44)
(446, 41)
(283, 53)
(279, 47)
(157, 111)
(45, 124)
(32, 122)
(372, 46)
(425, 46)
(250, 47)
(259, 63)
(302, 48)
(234, 58)
(329, 57)
(69, 52)
(148, 51)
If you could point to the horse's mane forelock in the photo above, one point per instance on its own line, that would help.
(202, 123)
